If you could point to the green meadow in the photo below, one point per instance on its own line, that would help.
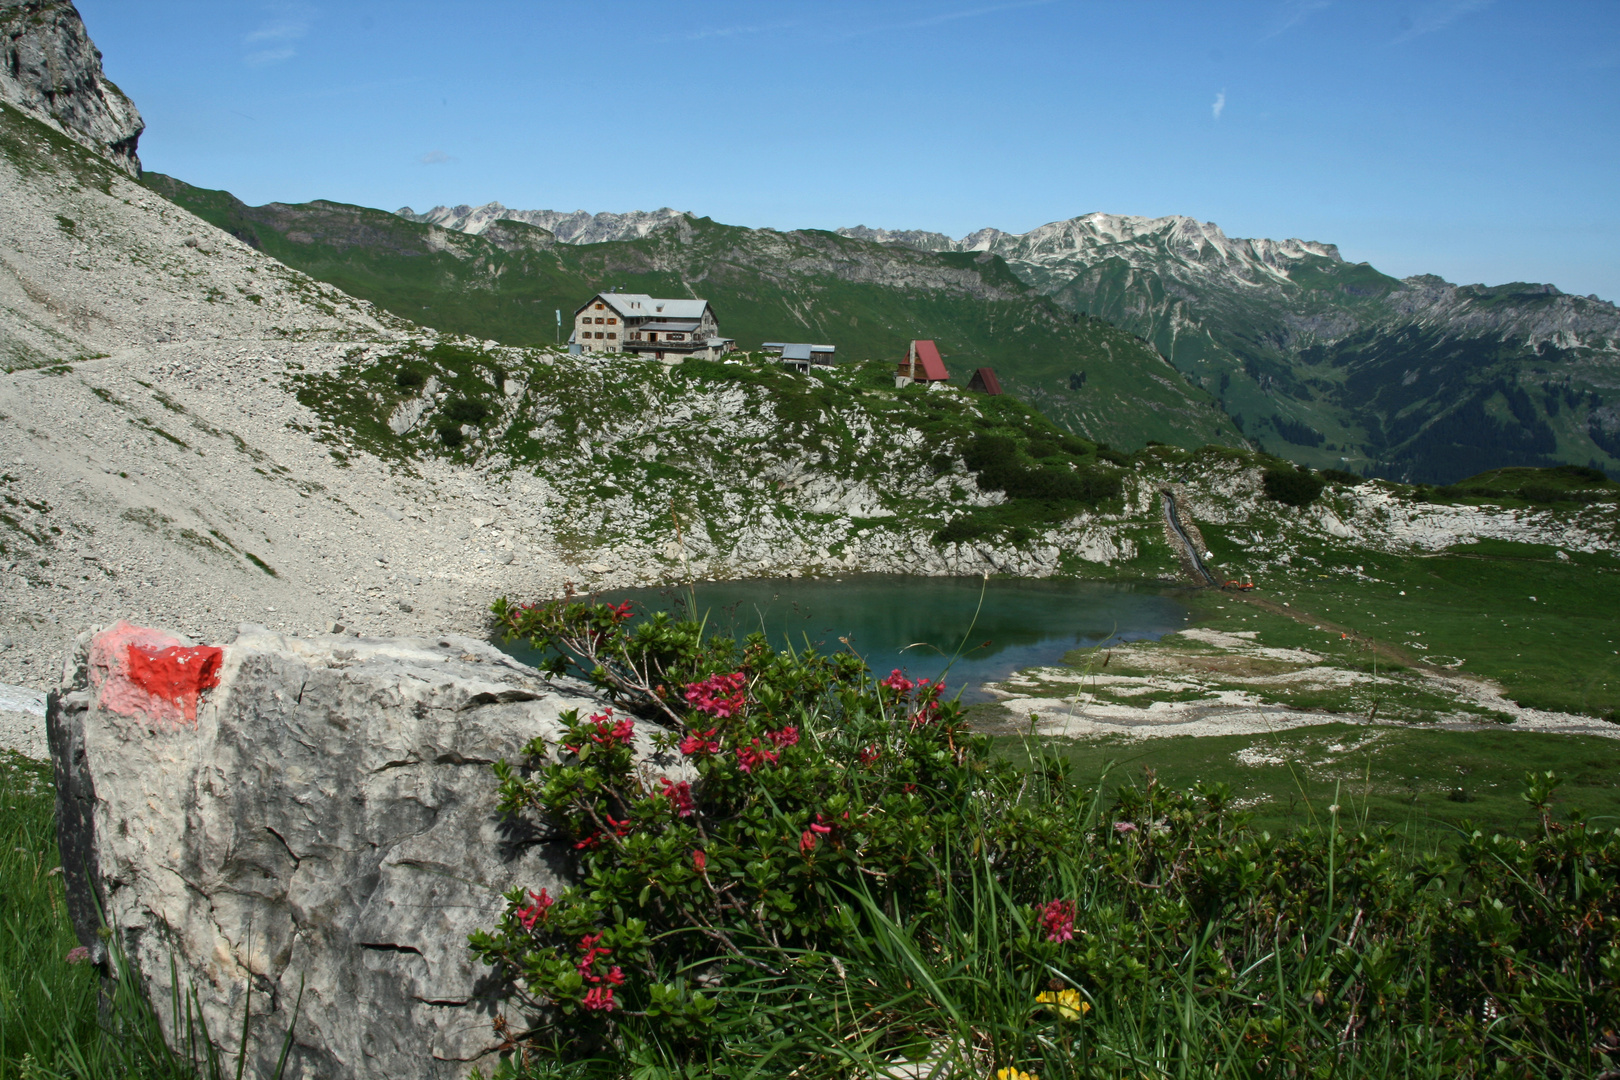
(1540, 623)
(1430, 786)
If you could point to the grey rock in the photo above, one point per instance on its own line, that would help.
(406, 415)
(326, 826)
(22, 721)
(52, 70)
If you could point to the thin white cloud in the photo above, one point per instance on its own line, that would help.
(270, 56)
(731, 31)
(435, 157)
(1219, 106)
(743, 29)
(1436, 16)
(972, 13)
(1291, 13)
(274, 39)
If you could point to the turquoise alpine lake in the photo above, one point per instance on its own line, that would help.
(982, 630)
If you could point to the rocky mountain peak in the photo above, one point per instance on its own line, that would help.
(1141, 241)
(578, 227)
(51, 69)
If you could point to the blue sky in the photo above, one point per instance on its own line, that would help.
(1469, 138)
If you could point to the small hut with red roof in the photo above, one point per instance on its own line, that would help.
(922, 364)
(985, 382)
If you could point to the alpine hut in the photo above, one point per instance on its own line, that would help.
(922, 364)
(985, 382)
(799, 355)
(614, 322)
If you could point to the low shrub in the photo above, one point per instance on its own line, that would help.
(998, 467)
(833, 873)
(1295, 487)
(1042, 448)
(1582, 473)
(409, 378)
(960, 530)
(464, 411)
(1343, 476)
(450, 435)
(1073, 444)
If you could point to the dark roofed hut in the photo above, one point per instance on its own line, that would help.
(796, 356)
(985, 382)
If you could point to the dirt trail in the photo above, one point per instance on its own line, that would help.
(1392, 653)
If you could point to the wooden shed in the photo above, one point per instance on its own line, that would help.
(985, 382)
(922, 363)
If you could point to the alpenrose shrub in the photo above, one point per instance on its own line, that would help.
(828, 868)
(801, 789)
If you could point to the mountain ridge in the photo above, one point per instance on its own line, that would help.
(577, 227)
(867, 299)
(1329, 362)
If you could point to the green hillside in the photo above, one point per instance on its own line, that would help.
(867, 299)
(1343, 366)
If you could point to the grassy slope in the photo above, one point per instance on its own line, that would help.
(624, 440)
(1427, 784)
(867, 299)
(1419, 402)
(1473, 604)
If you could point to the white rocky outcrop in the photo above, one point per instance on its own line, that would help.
(577, 227)
(1141, 241)
(320, 826)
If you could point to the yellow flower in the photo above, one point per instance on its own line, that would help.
(1066, 1003)
(1015, 1074)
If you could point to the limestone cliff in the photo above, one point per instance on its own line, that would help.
(50, 68)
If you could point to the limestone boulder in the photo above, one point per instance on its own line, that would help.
(311, 818)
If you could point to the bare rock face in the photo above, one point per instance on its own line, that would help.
(311, 816)
(50, 67)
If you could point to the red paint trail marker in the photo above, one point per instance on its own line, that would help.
(142, 672)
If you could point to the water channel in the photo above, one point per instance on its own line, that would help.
(918, 624)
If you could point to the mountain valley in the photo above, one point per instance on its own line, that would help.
(322, 414)
(1326, 362)
(505, 281)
